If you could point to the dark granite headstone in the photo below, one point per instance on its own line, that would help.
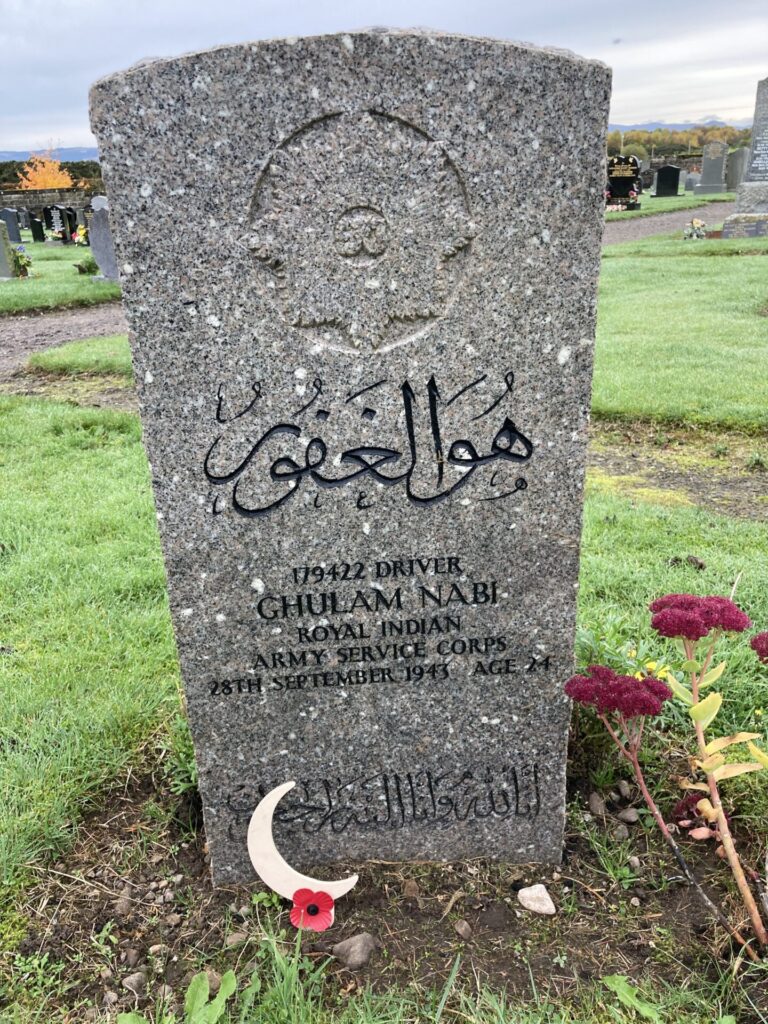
(623, 175)
(11, 220)
(667, 181)
(48, 217)
(366, 416)
(37, 229)
(712, 169)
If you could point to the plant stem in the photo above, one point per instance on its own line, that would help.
(722, 823)
(631, 755)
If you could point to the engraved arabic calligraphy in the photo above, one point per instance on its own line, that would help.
(431, 444)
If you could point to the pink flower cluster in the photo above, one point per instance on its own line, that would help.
(607, 691)
(759, 645)
(692, 618)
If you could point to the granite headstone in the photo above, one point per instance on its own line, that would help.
(11, 219)
(100, 241)
(365, 407)
(623, 176)
(712, 181)
(37, 229)
(667, 181)
(752, 198)
(736, 168)
(6, 255)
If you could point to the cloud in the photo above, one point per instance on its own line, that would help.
(669, 63)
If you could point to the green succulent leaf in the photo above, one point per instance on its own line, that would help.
(712, 676)
(705, 711)
(680, 691)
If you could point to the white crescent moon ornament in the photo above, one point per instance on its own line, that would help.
(271, 866)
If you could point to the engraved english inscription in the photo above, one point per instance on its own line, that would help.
(362, 225)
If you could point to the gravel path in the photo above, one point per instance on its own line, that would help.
(632, 228)
(20, 336)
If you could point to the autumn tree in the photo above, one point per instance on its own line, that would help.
(42, 171)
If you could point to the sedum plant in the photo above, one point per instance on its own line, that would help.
(623, 703)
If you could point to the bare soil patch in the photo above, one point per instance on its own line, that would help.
(722, 471)
(134, 895)
(23, 334)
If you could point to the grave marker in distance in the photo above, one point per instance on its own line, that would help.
(712, 180)
(751, 217)
(365, 407)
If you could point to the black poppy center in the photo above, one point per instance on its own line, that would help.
(313, 909)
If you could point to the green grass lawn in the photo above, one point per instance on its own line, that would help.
(649, 205)
(109, 355)
(54, 281)
(683, 336)
(87, 661)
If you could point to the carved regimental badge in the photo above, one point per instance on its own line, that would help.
(363, 222)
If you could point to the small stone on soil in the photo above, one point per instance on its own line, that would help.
(634, 863)
(634, 902)
(596, 805)
(463, 929)
(132, 957)
(214, 982)
(235, 938)
(165, 993)
(629, 816)
(410, 889)
(136, 983)
(621, 832)
(173, 920)
(356, 951)
(625, 790)
(123, 906)
(536, 899)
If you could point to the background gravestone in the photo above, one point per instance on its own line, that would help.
(100, 241)
(691, 181)
(751, 217)
(736, 168)
(6, 256)
(712, 180)
(37, 229)
(11, 219)
(667, 181)
(623, 176)
(365, 407)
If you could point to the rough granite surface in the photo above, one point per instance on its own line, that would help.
(360, 274)
(100, 239)
(713, 162)
(751, 215)
(6, 254)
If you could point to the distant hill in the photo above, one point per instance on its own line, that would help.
(680, 126)
(74, 153)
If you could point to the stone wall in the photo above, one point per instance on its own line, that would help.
(34, 199)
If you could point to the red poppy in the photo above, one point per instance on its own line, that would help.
(312, 910)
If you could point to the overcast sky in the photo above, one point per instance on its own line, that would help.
(672, 60)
